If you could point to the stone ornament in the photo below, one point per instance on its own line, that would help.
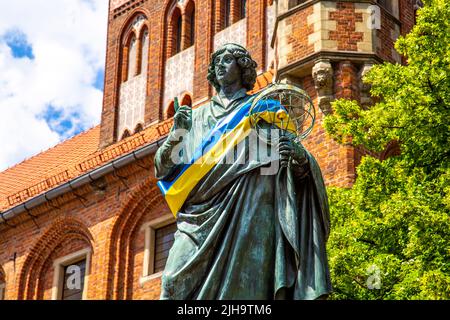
(322, 73)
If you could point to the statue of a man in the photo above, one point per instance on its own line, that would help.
(241, 234)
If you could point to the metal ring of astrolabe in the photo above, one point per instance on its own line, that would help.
(285, 105)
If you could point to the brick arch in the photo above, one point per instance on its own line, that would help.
(127, 33)
(187, 100)
(124, 57)
(126, 134)
(62, 230)
(140, 50)
(122, 43)
(139, 128)
(125, 28)
(120, 266)
(170, 110)
(190, 17)
(392, 149)
(173, 33)
(166, 44)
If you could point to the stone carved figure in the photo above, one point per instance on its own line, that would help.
(242, 234)
(322, 73)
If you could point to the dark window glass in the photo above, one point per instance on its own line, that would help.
(171, 110)
(294, 3)
(178, 39)
(126, 134)
(164, 238)
(139, 128)
(70, 293)
(387, 4)
(192, 35)
(227, 13)
(243, 10)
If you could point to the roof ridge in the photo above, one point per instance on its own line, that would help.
(49, 149)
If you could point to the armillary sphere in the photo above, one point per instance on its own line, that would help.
(287, 106)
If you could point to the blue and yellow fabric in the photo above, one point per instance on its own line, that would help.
(228, 133)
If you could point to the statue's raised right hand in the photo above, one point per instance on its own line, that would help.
(183, 117)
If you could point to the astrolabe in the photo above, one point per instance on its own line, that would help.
(287, 106)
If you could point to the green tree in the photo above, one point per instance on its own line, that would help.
(393, 225)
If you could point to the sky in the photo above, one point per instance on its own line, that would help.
(52, 59)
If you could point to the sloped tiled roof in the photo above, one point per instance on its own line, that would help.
(76, 156)
(66, 161)
(47, 164)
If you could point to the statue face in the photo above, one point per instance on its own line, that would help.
(227, 69)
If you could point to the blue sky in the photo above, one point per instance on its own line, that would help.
(18, 43)
(52, 56)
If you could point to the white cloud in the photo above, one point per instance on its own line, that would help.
(68, 39)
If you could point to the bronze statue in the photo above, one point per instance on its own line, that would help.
(241, 234)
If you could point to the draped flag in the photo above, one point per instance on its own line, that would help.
(223, 137)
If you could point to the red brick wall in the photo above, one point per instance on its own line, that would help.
(346, 84)
(345, 34)
(407, 15)
(110, 222)
(46, 276)
(299, 35)
(336, 161)
(150, 289)
(385, 41)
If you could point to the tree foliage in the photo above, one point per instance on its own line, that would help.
(394, 224)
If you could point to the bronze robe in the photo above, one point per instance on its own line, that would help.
(243, 235)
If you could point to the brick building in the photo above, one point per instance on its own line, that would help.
(92, 201)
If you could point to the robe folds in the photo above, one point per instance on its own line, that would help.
(247, 235)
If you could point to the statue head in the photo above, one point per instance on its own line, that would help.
(231, 63)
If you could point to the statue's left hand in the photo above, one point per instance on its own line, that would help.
(291, 149)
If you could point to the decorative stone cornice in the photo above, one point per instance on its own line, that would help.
(124, 7)
(304, 65)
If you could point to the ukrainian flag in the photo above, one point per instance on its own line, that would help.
(227, 133)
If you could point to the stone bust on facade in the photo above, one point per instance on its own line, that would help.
(241, 234)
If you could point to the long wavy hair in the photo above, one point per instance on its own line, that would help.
(244, 60)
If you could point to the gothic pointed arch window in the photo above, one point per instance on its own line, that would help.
(189, 24)
(132, 58)
(243, 9)
(179, 27)
(170, 111)
(139, 128)
(187, 100)
(132, 91)
(126, 134)
(226, 9)
(231, 11)
(179, 62)
(230, 23)
(175, 30)
(144, 42)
